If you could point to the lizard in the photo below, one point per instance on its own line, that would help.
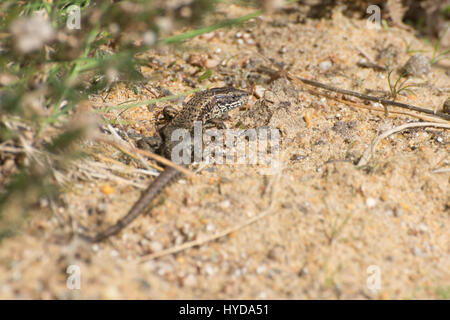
(206, 106)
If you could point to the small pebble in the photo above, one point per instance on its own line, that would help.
(209, 35)
(178, 240)
(225, 204)
(417, 252)
(107, 189)
(371, 202)
(197, 59)
(190, 281)
(422, 227)
(155, 246)
(259, 91)
(325, 65)
(164, 269)
(149, 234)
(303, 271)
(446, 106)
(43, 203)
(187, 231)
(209, 270)
(164, 23)
(282, 50)
(297, 157)
(418, 65)
(114, 253)
(276, 253)
(212, 63)
(260, 269)
(149, 38)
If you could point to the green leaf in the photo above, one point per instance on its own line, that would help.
(205, 75)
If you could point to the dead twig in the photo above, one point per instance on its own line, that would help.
(369, 151)
(382, 110)
(5, 148)
(93, 169)
(126, 168)
(116, 136)
(362, 96)
(131, 150)
(203, 240)
(218, 235)
(441, 170)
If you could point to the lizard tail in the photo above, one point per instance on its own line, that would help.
(153, 190)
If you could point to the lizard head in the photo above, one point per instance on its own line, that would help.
(226, 99)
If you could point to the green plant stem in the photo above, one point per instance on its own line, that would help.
(197, 32)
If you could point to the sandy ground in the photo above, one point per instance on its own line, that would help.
(319, 221)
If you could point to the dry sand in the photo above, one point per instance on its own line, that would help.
(323, 223)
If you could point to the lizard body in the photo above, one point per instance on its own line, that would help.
(204, 106)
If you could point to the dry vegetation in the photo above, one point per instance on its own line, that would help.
(341, 200)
